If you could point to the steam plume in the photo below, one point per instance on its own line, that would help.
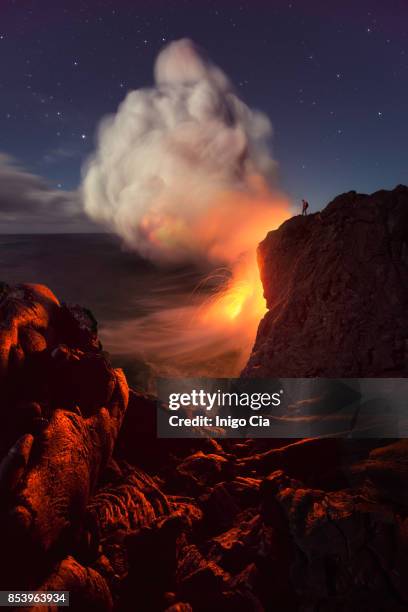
(183, 173)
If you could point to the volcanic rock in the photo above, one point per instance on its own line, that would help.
(87, 588)
(65, 433)
(336, 286)
(348, 547)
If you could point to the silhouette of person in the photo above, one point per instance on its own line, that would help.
(305, 206)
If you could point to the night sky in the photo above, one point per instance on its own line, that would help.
(332, 77)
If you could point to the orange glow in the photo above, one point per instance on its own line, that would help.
(212, 331)
(238, 307)
(229, 225)
(240, 301)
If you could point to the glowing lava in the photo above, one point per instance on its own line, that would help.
(241, 298)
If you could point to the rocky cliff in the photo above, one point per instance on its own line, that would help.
(336, 285)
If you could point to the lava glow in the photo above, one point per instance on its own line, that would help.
(211, 331)
(237, 306)
(241, 298)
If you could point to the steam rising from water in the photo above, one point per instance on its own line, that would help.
(183, 174)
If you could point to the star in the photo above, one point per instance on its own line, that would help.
(83, 136)
(76, 63)
(379, 114)
(338, 75)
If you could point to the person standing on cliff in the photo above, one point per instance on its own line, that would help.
(305, 206)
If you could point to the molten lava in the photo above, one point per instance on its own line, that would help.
(240, 299)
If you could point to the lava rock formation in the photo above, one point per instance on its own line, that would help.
(336, 286)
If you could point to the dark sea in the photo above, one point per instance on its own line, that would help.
(94, 270)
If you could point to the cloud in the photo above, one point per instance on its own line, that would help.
(61, 154)
(29, 204)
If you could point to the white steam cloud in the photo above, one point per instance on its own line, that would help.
(183, 171)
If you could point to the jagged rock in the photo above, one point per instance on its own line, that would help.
(153, 554)
(180, 607)
(69, 431)
(347, 552)
(186, 506)
(226, 500)
(25, 312)
(201, 582)
(200, 470)
(87, 588)
(387, 469)
(130, 504)
(244, 586)
(14, 465)
(336, 286)
(236, 548)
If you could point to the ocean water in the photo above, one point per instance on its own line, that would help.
(94, 270)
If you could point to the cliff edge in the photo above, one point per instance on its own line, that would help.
(336, 286)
